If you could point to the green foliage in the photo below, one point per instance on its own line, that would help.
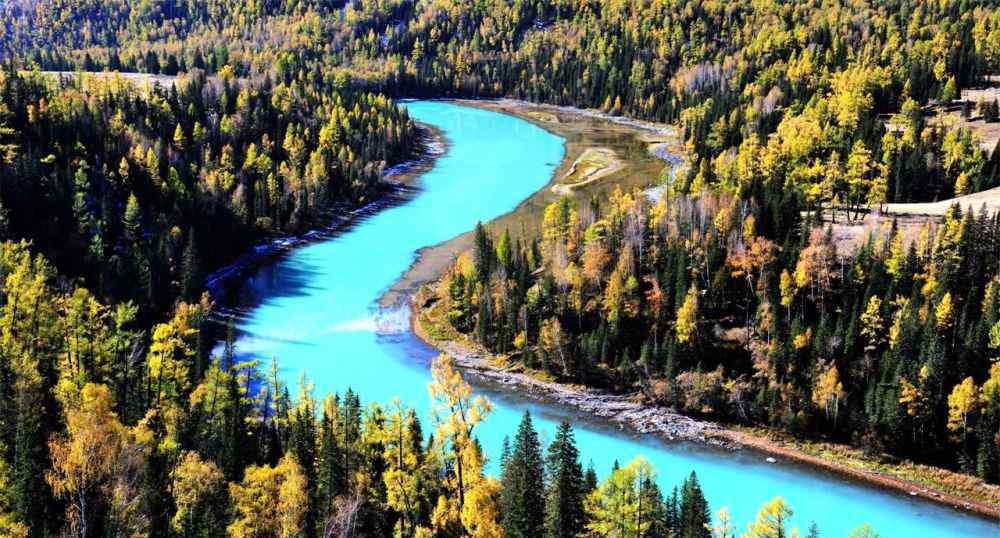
(158, 208)
(521, 480)
(566, 487)
(853, 344)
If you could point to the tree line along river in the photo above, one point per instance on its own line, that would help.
(315, 310)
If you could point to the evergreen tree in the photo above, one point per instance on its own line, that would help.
(695, 517)
(651, 508)
(484, 253)
(672, 513)
(522, 483)
(589, 479)
(302, 444)
(190, 270)
(331, 480)
(564, 515)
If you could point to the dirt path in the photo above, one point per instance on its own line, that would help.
(976, 201)
(910, 218)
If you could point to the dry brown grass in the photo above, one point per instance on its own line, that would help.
(915, 479)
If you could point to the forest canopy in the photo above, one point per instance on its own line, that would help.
(729, 297)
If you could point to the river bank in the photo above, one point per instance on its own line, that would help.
(623, 410)
(630, 411)
(400, 183)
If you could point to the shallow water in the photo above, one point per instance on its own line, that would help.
(315, 310)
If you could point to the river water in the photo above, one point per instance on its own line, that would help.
(316, 310)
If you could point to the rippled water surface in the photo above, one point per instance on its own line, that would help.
(315, 310)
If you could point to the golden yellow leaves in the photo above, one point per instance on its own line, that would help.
(872, 325)
(944, 314)
(615, 507)
(991, 387)
(687, 316)
(552, 340)
(962, 402)
(828, 391)
(852, 93)
(481, 511)
(88, 459)
(456, 413)
(770, 521)
(909, 397)
(196, 482)
(271, 501)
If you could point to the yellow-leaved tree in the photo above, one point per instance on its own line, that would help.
(170, 353)
(94, 462)
(271, 501)
(962, 403)
(770, 522)
(616, 506)
(199, 491)
(475, 507)
(687, 317)
(828, 391)
(402, 473)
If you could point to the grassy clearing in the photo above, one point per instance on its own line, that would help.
(989, 133)
(139, 79)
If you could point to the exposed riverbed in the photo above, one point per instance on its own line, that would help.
(316, 309)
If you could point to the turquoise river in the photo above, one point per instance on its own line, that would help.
(315, 309)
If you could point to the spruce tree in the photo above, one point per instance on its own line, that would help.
(652, 509)
(564, 515)
(190, 269)
(302, 443)
(484, 253)
(350, 430)
(522, 480)
(330, 461)
(695, 518)
(589, 480)
(672, 515)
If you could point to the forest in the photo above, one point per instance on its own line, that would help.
(808, 83)
(145, 191)
(705, 304)
(104, 437)
(727, 298)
